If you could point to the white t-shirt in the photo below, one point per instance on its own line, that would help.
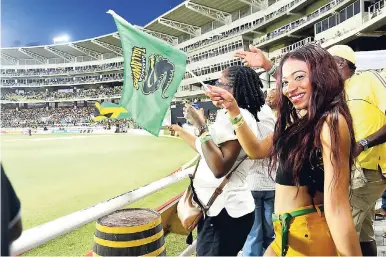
(236, 197)
(258, 177)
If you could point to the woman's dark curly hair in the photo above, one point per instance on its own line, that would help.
(247, 88)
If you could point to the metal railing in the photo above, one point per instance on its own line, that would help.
(37, 236)
(376, 8)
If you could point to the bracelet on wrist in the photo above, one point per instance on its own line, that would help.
(238, 124)
(272, 70)
(236, 119)
(205, 139)
(202, 129)
(206, 133)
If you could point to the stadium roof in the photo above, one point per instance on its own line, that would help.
(92, 48)
(196, 13)
(184, 19)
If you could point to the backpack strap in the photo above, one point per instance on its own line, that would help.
(219, 189)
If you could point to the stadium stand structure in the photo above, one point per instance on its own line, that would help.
(74, 75)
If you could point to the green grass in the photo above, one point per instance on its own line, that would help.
(56, 177)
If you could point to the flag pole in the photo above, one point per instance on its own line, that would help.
(206, 89)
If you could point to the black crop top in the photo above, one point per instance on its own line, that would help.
(311, 174)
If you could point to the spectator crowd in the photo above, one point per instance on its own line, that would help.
(33, 117)
(61, 81)
(62, 116)
(61, 70)
(47, 95)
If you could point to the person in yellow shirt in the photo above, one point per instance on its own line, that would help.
(366, 99)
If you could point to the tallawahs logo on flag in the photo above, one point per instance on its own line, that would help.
(159, 72)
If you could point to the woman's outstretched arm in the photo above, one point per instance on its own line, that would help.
(255, 148)
(185, 135)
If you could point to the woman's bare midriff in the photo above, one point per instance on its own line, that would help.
(288, 198)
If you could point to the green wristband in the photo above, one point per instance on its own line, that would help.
(205, 139)
(236, 119)
(272, 70)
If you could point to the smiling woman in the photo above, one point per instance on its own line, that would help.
(296, 84)
(313, 153)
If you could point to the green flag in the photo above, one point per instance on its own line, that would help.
(153, 70)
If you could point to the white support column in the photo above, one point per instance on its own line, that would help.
(113, 48)
(61, 54)
(183, 27)
(260, 4)
(165, 37)
(93, 54)
(34, 56)
(8, 58)
(214, 14)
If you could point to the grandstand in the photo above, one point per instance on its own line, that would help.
(76, 74)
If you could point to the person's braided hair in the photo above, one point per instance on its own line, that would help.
(247, 88)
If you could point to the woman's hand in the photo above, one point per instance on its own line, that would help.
(194, 116)
(254, 58)
(175, 128)
(223, 99)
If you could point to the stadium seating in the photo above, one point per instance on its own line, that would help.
(61, 70)
(36, 82)
(44, 94)
(45, 116)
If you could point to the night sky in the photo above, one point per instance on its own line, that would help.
(37, 22)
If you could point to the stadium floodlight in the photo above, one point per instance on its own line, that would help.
(62, 38)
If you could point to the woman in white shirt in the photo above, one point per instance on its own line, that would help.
(228, 222)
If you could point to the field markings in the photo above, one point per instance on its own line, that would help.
(53, 138)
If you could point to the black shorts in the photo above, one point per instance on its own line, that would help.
(223, 235)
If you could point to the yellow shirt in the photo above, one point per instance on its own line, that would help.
(366, 99)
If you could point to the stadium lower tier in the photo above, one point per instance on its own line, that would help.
(40, 117)
(45, 94)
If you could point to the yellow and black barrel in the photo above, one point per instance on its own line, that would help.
(130, 232)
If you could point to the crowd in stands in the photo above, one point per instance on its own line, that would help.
(61, 70)
(46, 95)
(62, 81)
(33, 117)
(60, 117)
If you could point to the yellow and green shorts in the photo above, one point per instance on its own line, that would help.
(303, 232)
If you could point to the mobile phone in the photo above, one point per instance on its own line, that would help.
(196, 106)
